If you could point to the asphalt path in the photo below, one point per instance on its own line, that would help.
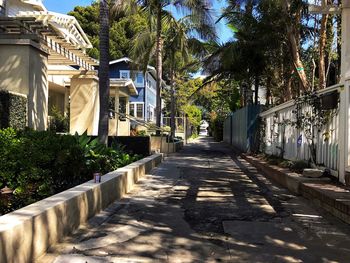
(205, 204)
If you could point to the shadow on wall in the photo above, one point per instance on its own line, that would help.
(11, 76)
(24, 70)
(38, 91)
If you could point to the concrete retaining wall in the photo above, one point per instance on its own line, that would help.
(160, 144)
(331, 197)
(27, 233)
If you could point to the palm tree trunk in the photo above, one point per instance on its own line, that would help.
(103, 72)
(159, 65)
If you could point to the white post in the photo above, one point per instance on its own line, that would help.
(116, 108)
(344, 130)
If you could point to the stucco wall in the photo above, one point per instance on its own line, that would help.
(84, 105)
(23, 70)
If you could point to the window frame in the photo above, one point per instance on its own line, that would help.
(134, 106)
(121, 72)
(142, 78)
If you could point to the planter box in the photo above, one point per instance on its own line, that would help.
(27, 233)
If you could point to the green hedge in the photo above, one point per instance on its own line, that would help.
(13, 110)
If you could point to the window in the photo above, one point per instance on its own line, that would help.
(125, 74)
(139, 78)
(139, 110)
(122, 107)
(136, 109)
(150, 113)
(132, 109)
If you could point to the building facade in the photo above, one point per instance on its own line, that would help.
(141, 106)
(44, 60)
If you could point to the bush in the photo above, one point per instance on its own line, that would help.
(38, 164)
(299, 166)
(13, 110)
(58, 122)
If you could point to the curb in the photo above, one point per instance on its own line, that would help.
(27, 233)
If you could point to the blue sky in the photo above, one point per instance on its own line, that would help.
(64, 6)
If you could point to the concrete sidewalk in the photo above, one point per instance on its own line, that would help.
(205, 204)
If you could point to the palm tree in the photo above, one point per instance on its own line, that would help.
(199, 13)
(103, 72)
(179, 59)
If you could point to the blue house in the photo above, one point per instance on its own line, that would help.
(143, 105)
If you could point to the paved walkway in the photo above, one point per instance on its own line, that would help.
(206, 205)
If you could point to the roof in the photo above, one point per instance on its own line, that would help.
(128, 60)
(35, 3)
(46, 38)
(65, 25)
(124, 83)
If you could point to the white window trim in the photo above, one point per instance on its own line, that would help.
(134, 105)
(124, 71)
(153, 111)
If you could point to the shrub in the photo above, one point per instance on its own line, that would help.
(38, 164)
(13, 110)
(58, 122)
(299, 166)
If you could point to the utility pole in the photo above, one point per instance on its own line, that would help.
(344, 129)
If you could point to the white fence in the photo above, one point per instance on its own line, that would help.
(280, 135)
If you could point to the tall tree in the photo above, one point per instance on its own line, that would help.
(293, 11)
(104, 72)
(123, 27)
(200, 14)
(322, 46)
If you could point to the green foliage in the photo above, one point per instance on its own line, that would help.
(217, 126)
(194, 114)
(311, 118)
(13, 110)
(141, 133)
(38, 164)
(58, 121)
(299, 166)
(122, 30)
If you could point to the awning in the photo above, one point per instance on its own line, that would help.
(119, 83)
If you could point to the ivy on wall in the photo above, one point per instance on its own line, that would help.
(13, 110)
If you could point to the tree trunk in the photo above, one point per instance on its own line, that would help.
(268, 90)
(322, 46)
(256, 90)
(103, 72)
(294, 46)
(172, 105)
(159, 66)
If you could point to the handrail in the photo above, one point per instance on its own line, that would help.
(138, 121)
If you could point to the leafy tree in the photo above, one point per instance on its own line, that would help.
(157, 12)
(122, 29)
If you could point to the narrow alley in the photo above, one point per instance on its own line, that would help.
(204, 204)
